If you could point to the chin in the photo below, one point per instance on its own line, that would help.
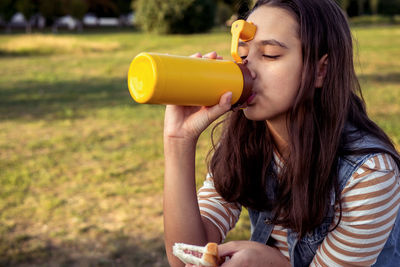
(253, 114)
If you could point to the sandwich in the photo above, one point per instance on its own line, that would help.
(197, 255)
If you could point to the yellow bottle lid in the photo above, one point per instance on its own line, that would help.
(142, 77)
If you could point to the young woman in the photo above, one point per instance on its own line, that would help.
(320, 179)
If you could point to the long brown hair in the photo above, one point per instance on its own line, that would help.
(241, 160)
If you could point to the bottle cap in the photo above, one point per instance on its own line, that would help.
(142, 77)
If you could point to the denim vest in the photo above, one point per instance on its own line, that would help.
(302, 250)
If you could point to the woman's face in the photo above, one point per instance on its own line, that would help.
(275, 60)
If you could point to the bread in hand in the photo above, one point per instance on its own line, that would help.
(197, 255)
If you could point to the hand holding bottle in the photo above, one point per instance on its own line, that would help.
(188, 122)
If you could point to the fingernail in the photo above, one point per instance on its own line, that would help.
(229, 98)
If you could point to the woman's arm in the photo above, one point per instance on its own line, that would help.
(182, 220)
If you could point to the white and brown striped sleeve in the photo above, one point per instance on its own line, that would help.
(370, 202)
(221, 213)
(280, 234)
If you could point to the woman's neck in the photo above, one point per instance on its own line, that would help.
(280, 137)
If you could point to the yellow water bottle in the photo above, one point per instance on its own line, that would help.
(155, 78)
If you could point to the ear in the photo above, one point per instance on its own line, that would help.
(321, 71)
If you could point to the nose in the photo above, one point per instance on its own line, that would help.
(253, 73)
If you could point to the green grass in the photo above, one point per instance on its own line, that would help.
(81, 165)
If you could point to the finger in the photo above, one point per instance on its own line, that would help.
(196, 55)
(212, 55)
(229, 248)
(223, 106)
(220, 57)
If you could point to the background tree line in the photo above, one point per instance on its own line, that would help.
(169, 16)
(370, 7)
(52, 9)
(185, 16)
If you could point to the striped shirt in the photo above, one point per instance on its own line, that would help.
(370, 203)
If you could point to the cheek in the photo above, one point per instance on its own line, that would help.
(284, 97)
(284, 82)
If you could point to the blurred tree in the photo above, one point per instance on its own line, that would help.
(361, 7)
(240, 7)
(354, 7)
(51, 9)
(124, 6)
(175, 16)
(103, 8)
(223, 14)
(344, 4)
(198, 17)
(389, 7)
(374, 6)
(7, 10)
(77, 9)
(28, 9)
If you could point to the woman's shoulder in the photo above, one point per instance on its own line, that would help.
(356, 139)
(360, 149)
(367, 167)
(379, 171)
(381, 162)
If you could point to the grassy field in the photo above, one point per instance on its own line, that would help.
(81, 165)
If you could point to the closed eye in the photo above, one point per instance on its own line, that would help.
(265, 56)
(271, 56)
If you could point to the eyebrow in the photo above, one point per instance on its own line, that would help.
(266, 42)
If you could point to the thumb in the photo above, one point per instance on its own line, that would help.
(223, 106)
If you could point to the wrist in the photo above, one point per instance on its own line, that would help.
(179, 146)
(179, 141)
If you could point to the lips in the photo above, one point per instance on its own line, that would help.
(247, 103)
(251, 98)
